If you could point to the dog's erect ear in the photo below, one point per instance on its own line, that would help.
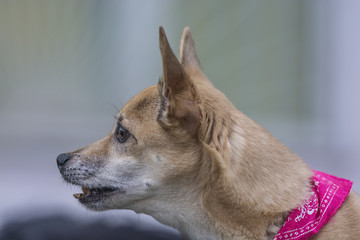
(180, 100)
(188, 56)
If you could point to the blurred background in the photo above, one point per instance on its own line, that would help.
(292, 66)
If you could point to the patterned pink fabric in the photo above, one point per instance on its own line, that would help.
(326, 197)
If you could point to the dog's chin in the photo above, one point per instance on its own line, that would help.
(96, 198)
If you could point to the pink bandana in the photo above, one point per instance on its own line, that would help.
(326, 197)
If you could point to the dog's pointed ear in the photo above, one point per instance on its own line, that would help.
(179, 96)
(188, 56)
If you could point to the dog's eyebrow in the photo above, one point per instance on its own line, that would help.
(119, 117)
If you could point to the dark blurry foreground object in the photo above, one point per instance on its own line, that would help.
(61, 228)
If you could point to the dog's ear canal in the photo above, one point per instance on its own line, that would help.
(179, 96)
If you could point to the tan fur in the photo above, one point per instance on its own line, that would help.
(194, 162)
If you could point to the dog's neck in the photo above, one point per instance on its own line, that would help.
(254, 179)
(259, 179)
(187, 214)
(184, 213)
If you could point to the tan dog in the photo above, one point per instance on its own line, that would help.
(182, 153)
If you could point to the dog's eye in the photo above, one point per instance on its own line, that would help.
(122, 134)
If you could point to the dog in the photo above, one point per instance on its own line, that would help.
(182, 153)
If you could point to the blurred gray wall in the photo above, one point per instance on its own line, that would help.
(293, 66)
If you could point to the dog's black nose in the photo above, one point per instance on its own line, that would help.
(62, 159)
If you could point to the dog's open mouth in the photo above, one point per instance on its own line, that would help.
(93, 194)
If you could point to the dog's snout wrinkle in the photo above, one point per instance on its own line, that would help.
(62, 159)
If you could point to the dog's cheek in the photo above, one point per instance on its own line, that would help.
(123, 170)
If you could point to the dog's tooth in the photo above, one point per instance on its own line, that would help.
(86, 191)
(78, 195)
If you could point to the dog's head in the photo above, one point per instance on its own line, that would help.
(181, 152)
(155, 144)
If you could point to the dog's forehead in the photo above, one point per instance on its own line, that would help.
(142, 104)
